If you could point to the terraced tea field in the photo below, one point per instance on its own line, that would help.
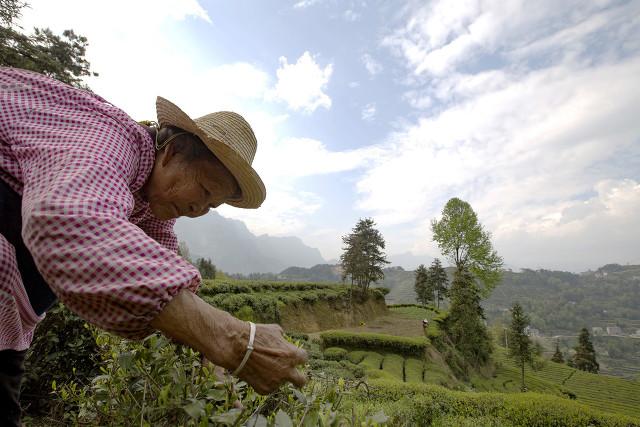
(602, 392)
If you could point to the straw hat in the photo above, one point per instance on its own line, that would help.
(230, 138)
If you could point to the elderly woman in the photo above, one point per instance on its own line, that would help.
(88, 200)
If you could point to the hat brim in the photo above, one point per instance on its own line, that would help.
(251, 186)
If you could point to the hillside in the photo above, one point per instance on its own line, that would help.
(374, 367)
(379, 352)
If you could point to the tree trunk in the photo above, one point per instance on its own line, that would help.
(523, 387)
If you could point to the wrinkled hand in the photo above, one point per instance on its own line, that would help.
(223, 339)
(273, 361)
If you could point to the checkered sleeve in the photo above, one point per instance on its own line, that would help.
(162, 232)
(76, 203)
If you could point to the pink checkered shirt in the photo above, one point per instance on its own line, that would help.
(78, 163)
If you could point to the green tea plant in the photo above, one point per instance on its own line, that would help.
(156, 383)
(63, 349)
(408, 346)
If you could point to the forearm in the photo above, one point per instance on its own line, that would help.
(218, 335)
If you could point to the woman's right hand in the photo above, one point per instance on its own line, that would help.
(273, 361)
(223, 339)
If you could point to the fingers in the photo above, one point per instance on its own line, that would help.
(298, 379)
(301, 356)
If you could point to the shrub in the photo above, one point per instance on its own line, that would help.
(158, 383)
(356, 356)
(245, 313)
(334, 353)
(63, 349)
(408, 346)
(336, 370)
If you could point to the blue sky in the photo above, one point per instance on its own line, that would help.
(528, 110)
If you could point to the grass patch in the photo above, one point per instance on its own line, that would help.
(413, 370)
(393, 364)
(372, 361)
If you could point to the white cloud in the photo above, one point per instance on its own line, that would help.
(584, 234)
(350, 15)
(303, 4)
(282, 213)
(369, 112)
(302, 85)
(441, 36)
(519, 150)
(133, 74)
(531, 107)
(373, 67)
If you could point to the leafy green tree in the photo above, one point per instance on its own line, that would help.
(520, 346)
(206, 268)
(464, 242)
(465, 324)
(363, 258)
(439, 281)
(423, 294)
(585, 356)
(60, 57)
(557, 355)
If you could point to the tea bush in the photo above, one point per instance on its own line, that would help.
(424, 404)
(157, 383)
(63, 349)
(408, 346)
(356, 356)
(334, 353)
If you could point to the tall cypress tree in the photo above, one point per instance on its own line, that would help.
(421, 285)
(363, 257)
(520, 346)
(438, 280)
(465, 324)
(557, 356)
(585, 357)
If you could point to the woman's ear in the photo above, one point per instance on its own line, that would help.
(168, 153)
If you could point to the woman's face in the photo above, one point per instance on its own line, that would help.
(178, 187)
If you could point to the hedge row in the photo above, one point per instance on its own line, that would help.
(265, 306)
(424, 404)
(412, 305)
(215, 287)
(408, 346)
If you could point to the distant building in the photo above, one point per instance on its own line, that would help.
(597, 330)
(614, 330)
(636, 334)
(532, 332)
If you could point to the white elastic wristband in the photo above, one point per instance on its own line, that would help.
(252, 336)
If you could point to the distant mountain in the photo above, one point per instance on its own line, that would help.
(317, 273)
(409, 261)
(406, 260)
(234, 249)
